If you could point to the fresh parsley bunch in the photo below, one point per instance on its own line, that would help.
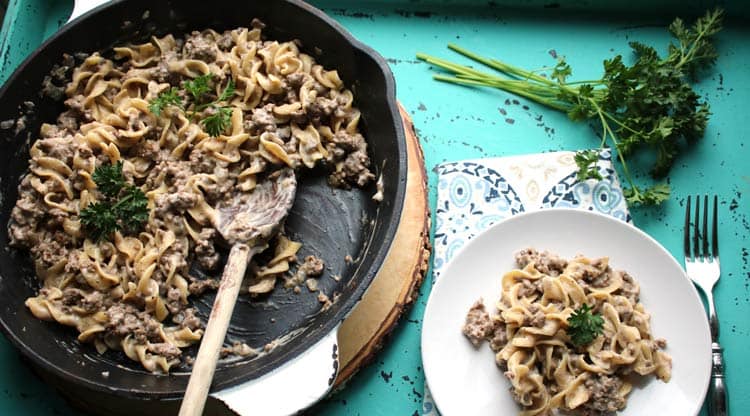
(124, 206)
(647, 105)
(198, 89)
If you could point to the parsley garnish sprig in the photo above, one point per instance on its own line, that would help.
(124, 207)
(197, 91)
(164, 100)
(646, 105)
(584, 326)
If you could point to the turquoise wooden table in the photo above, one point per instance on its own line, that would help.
(457, 123)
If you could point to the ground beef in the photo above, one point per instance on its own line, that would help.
(537, 317)
(198, 46)
(198, 286)
(49, 251)
(225, 42)
(630, 288)
(58, 147)
(201, 161)
(187, 319)
(177, 202)
(296, 79)
(499, 338)
(76, 106)
(527, 289)
(321, 108)
(545, 262)
(165, 349)
(177, 174)
(601, 280)
(174, 300)
(87, 302)
(161, 72)
(593, 274)
(145, 149)
(125, 319)
(26, 214)
(312, 266)
(348, 152)
(205, 250)
(478, 325)
(78, 263)
(221, 188)
(604, 399)
(355, 168)
(262, 119)
(68, 121)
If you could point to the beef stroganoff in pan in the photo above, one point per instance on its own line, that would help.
(122, 191)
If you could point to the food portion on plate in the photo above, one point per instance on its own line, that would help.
(123, 190)
(569, 335)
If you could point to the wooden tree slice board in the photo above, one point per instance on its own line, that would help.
(395, 286)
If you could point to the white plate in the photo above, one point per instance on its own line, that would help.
(465, 381)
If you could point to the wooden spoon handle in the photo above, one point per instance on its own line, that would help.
(221, 313)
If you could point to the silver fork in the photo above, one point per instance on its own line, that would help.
(702, 267)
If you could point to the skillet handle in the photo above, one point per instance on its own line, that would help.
(291, 388)
(82, 6)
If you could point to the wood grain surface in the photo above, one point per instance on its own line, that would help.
(395, 287)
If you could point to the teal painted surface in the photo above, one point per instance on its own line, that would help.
(26, 24)
(456, 123)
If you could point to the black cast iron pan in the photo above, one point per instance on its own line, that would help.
(331, 223)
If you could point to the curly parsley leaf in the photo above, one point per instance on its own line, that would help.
(586, 162)
(561, 71)
(99, 220)
(132, 209)
(164, 100)
(198, 86)
(228, 91)
(694, 50)
(109, 179)
(218, 122)
(584, 326)
(125, 206)
(219, 117)
(650, 196)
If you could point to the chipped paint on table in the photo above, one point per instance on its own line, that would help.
(456, 123)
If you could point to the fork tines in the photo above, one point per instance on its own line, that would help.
(701, 248)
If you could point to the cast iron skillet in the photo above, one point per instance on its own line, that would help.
(331, 223)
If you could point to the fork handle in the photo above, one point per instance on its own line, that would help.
(718, 390)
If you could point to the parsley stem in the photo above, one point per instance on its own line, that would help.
(607, 131)
(519, 90)
(620, 123)
(501, 66)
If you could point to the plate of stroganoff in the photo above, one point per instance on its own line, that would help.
(565, 311)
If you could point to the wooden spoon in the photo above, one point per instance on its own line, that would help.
(247, 224)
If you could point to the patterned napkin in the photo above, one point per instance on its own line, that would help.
(475, 194)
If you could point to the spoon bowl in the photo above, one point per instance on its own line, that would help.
(247, 222)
